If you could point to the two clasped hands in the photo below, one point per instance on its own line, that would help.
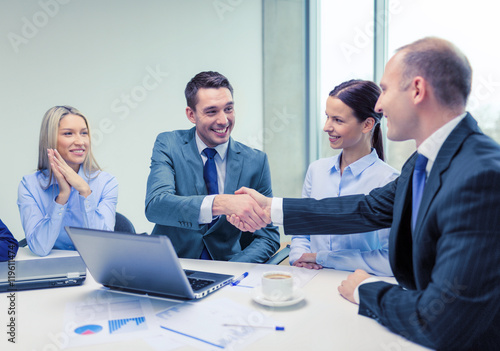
(248, 211)
(67, 177)
(251, 211)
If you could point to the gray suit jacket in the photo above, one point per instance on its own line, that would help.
(176, 189)
(450, 265)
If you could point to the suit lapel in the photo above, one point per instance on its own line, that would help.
(234, 166)
(443, 160)
(404, 184)
(400, 240)
(193, 161)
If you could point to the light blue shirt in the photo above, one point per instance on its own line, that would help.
(368, 251)
(44, 219)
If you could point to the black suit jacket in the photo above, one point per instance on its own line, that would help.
(448, 270)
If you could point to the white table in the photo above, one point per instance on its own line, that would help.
(323, 321)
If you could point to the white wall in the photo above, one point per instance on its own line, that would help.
(99, 57)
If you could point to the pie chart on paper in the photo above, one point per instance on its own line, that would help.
(88, 329)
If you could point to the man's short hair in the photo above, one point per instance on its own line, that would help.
(208, 79)
(443, 65)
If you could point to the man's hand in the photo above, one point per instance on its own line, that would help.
(307, 260)
(347, 287)
(242, 207)
(264, 202)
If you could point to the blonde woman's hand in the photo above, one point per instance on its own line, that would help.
(71, 177)
(64, 187)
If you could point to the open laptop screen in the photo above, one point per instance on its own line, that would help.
(139, 263)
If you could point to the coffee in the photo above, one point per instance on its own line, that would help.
(278, 276)
(277, 285)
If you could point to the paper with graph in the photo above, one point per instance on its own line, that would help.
(110, 320)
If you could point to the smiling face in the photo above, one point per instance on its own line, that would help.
(213, 115)
(73, 140)
(343, 128)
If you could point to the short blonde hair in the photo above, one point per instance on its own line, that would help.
(48, 139)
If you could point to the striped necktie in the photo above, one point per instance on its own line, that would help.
(419, 177)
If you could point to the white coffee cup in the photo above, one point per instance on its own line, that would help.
(277, 285)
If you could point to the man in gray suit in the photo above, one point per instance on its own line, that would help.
(444, 245)
(188, 200)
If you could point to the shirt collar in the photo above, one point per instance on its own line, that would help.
(221, 148)
(431, 146)
(358, 166)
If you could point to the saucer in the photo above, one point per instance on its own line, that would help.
(298, 295)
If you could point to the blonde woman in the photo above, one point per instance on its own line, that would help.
(69, 188)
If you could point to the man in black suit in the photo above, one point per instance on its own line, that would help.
(445, 251)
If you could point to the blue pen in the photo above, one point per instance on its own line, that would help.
(239, 279)
(255, 326)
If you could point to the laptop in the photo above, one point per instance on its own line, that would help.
(141, 264)
(28, 271)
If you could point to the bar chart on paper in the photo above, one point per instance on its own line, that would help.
(127, 325)
(116, 318)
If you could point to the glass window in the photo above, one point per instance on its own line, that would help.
(346, 49)
(472, 27)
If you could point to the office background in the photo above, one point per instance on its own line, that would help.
(125, 63)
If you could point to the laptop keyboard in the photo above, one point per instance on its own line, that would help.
(198, 284)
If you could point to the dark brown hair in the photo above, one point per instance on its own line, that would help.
(208, 79)
(361, 96)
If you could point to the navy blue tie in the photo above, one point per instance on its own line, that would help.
(210, 172)
(210, 176)
(419, 176)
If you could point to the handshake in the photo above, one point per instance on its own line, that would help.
(247, 210)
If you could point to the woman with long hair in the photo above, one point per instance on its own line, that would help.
(69, 188)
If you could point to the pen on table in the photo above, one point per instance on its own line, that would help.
(239, 279)
(254, 326)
